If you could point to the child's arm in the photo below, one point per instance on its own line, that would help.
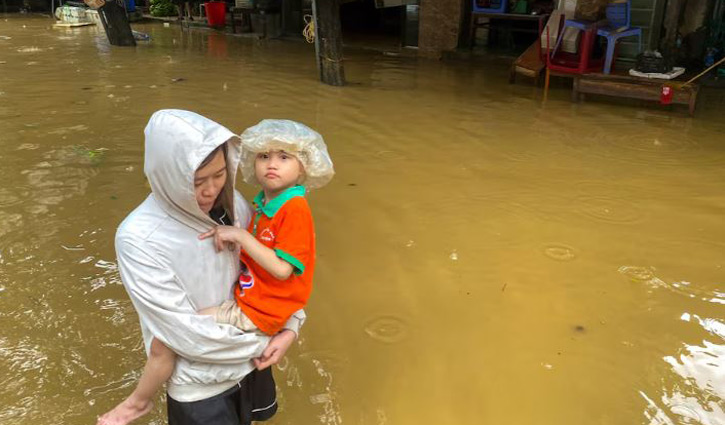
(265, 257)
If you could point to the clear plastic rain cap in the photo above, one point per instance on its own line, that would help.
(294, 138)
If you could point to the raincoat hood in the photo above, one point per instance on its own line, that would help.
(176, 143)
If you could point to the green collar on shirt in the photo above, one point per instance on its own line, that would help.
(270, 208)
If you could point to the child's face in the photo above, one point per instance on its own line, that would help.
(277, 171)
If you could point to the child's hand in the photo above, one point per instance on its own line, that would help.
(229, 236)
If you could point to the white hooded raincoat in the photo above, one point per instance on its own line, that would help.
(170, 274)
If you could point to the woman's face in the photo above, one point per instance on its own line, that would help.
(209, 181)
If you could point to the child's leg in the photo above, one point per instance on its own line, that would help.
(211, 311)
(230, 313)
(158, 369)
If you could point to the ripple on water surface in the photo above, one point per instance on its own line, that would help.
(560, 252)
(647, 148)
(512, 202)
(387, 329)
(646, 275)
(8, 198)
(608, 209)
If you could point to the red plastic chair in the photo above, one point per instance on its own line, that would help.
(569, 63)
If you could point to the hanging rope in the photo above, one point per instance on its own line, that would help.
(309, 31)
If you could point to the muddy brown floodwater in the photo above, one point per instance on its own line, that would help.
(483, 259)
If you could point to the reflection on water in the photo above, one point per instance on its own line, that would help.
(699, 395)
(494, 259)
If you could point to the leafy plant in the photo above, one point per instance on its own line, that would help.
(94, 156)
(162, 8)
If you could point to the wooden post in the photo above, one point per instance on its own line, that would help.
(115, 22)
(328, 41)
(464, 38)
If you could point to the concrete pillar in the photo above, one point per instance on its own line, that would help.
(440, 25)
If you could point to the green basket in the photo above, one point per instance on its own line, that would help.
(520, 7)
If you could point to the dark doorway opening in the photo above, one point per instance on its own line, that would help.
(369, 24)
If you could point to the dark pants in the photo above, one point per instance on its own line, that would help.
(252, 399)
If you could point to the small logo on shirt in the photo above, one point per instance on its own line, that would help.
(266, 235)
(246, 281)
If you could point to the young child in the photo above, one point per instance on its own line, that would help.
(277, 251)
(285, 158)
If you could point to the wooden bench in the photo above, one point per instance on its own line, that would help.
(630, 87)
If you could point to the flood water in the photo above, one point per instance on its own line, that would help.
(482, 258)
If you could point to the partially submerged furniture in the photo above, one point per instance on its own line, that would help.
(626, 86)
(616, 27)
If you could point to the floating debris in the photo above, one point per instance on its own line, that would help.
(177, 80)
(27, 146)
(320, 398)
(73, 248)
(453, 256)
(642, 274)
(94, 155)
(65, 130)
(29, 50)
(140, 36)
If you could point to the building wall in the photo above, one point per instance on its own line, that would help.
(440, 24)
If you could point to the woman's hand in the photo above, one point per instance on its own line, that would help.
(229, 236)
(276, 349)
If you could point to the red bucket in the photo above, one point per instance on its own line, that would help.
(216, 13)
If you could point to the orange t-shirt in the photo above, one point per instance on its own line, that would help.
(285, 225)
